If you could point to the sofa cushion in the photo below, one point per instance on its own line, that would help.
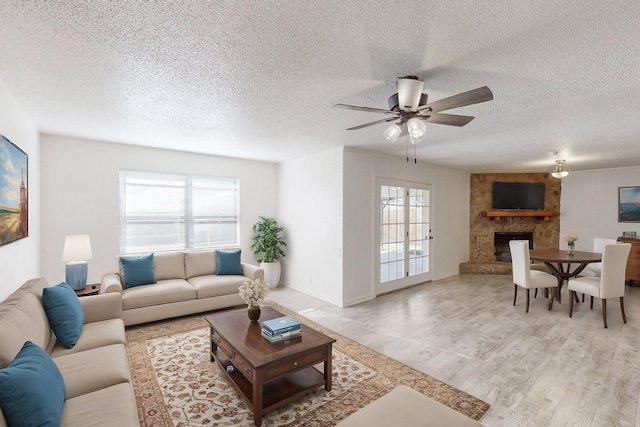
(95, 335)
(137, 270)
(228, 263)
(64, 313)
(166, 291)
(169, 265)
(404, 406)
(33, 286)
(94, 369)
(112, 406)
(199, 263)
(32, 390)
(213, 286)
(26, 320)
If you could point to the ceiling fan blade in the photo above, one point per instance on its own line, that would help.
(367, 109)
(409, 93)
(390, 119)
(447, 119)
(475, 96)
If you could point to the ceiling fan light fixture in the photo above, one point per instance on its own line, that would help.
(416, 128)
(561, 170)
(393, 132)
(413, 140)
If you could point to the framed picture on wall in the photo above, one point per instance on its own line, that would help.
(14, 202)
(629, 204)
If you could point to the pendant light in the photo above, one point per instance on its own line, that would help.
(561, 170)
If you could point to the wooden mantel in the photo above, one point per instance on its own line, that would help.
(540, 215)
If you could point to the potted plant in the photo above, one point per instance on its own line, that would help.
(267, 246)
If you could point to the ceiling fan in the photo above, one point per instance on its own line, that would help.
(409, 106)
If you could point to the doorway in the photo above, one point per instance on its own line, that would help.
(404, 212)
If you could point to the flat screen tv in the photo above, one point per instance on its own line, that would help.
(518, 196)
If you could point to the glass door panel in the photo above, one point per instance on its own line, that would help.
(392, 233)
(418, 231)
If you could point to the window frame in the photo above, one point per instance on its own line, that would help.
(184, 218)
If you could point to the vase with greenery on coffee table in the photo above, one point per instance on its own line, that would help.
(268, 375)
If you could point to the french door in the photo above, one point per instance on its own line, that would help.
(404, 235)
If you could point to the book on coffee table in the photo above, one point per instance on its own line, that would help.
(280, 325)
(283, 336)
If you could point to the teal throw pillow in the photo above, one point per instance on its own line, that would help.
(138, 270)
(228, 263)
(64, 312)
(32, 390)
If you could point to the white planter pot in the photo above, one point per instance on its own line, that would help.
(272, 272)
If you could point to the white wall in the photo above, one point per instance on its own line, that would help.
(80, 194)
(327, 205)
(310, 210)
(589, 204)
(20, 260)
(449, 224)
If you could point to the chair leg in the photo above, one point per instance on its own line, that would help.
(571, 293)
(515, 293)
(582, 297)
(624, 318)
(591, 303)
(527, 301)
(604, 312)
(535, 294)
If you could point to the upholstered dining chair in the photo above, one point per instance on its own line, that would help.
(523, 276)
(610, 284)
(594, 269)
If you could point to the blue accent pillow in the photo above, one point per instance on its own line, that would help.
(228, 263)
(138, 270)
(32, 390)
(64, 312)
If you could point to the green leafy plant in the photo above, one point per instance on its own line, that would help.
(267, 244)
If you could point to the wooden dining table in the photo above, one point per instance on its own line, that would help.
(559, 263)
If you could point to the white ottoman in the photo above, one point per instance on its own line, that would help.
(403, 406)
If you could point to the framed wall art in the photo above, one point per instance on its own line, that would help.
(629, 204)
(14, 197)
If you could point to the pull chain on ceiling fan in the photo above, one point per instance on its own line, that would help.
(409, 107)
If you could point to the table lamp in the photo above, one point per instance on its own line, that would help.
(77, 250)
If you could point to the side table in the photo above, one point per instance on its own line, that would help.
(93, 289)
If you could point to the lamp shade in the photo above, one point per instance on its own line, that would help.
(416, 128)
(392, 132)
(77, 248)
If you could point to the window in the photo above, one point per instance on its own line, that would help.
(166, 211)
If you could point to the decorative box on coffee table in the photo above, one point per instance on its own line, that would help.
(268, 375)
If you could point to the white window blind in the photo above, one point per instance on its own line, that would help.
(166, 211)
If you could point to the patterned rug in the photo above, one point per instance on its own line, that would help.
(176, 384)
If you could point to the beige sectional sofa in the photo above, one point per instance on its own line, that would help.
(186, 284)
(95, 371)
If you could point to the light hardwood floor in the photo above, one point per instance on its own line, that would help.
(535, 369)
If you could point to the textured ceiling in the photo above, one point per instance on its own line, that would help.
(257, 79)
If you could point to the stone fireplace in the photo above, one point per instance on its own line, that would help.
(482, 247)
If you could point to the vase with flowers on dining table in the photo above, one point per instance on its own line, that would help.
(571, 238)
(253, 292)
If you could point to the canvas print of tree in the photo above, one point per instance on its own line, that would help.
(629, 204)
(14, 203)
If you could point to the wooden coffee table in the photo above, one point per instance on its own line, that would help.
(268, 375)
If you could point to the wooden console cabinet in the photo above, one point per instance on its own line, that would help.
(632, 275)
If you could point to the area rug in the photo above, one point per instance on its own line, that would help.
(176, 384)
